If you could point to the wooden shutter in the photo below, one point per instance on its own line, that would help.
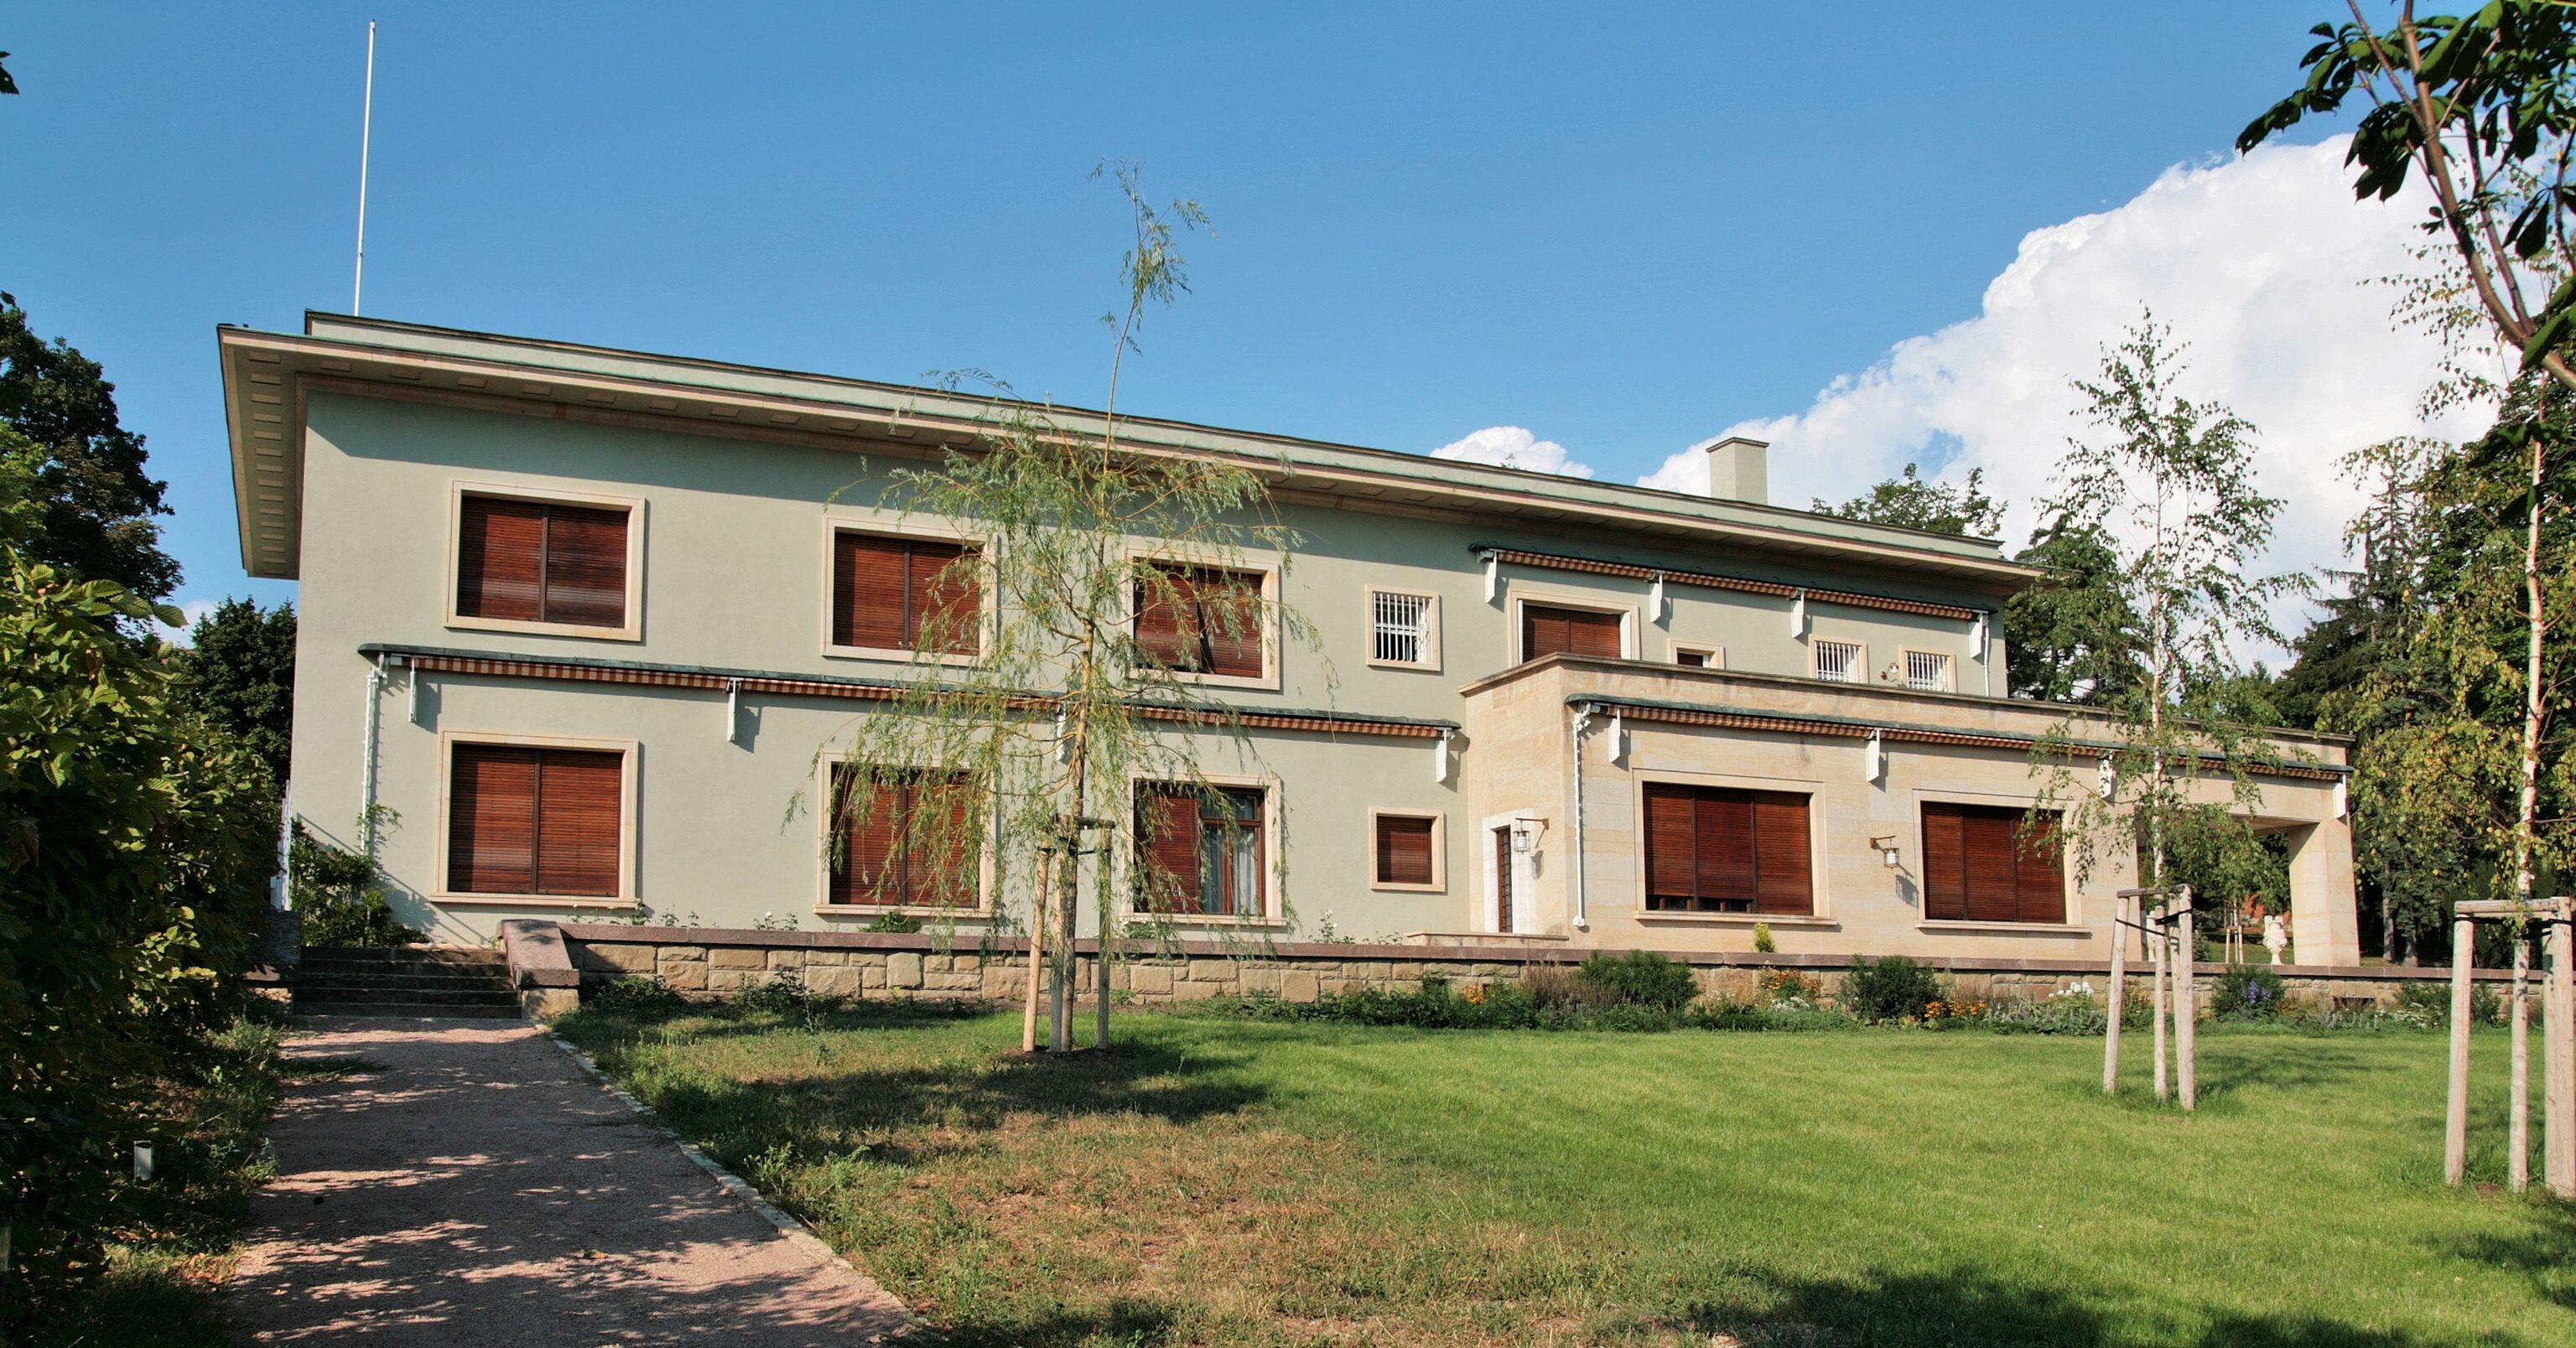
(1782, 861)
(2041, 884)
(1671, 849)
(500, 559)
(580, 816)
(1230, 617)
(1992, 866)
(941, 859)
(1403, 850)
(491, 820)
(1165, 625)
(868, 575)
(585, 566)
(1726, 866)
(943, 599)
(1167, 848)
(1546, 630)
(1945, 886)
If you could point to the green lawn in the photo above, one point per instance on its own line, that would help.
(1230, 1182)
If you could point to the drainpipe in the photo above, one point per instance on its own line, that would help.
(1582, 721)
(367, 769)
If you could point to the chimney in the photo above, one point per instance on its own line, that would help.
(1739, 469)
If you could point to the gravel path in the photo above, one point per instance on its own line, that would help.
(482, 1189)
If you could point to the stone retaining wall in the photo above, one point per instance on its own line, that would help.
(713, 962)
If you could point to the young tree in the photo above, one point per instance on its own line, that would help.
(1105, 578)
(1939, 507)
(2480, 107)
(2166, 486)
(58, 419)
(238, 672)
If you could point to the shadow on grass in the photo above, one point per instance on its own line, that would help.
(1966, 1309)
(2544, 1250)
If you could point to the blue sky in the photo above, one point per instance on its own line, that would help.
(1625, 234)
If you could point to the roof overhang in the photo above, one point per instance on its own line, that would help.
(268, 377)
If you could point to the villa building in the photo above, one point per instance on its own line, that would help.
(577, 624)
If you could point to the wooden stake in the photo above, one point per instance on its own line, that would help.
(2161, 943)
(1037, 948)
(2517, 1098)
(2186, 1008)
(2558, 1034)
(2119, 995)
(2455, 1118)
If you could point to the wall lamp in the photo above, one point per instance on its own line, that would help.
(1887, 853)
(1525, 834)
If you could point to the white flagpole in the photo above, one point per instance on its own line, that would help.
(366, 129)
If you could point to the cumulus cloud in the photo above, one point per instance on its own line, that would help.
(192, 610)
(2264, 265)
(1514, 447)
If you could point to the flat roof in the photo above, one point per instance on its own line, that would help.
(267, 376)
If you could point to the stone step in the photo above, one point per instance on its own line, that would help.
(486, 996)
(311, 981)
(412, 1011)
(403, 954)
(332, 965)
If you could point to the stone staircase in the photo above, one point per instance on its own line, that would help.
(420, 980)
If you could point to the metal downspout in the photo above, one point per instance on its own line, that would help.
(367, 769)
(1582, 722)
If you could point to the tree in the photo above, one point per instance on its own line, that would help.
(7, 85)
(1021, 762)
(2481, 108)
(2166, 488)
(1936, 507)
(2074, 635)
(58, 418)
(238, 672)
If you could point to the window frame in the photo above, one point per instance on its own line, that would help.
(1715, 655)
(1820, 912)
(1264, 565)
(2076, 921)
(629, 780)
(831, 763)
(1430, 661)
(1125, 859)
(1905, 669)
(882, 526)
(1859, 666)
(1439, 882)
(539, 493)
(1631, 617)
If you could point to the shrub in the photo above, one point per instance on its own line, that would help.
(1894, 988)
(1763, 941)
(340, 895)
(897, 923)
(635, 994)
(2247, 992)
(783, 993)
(1640, 978)
(2429, 1003)
(1788, 987)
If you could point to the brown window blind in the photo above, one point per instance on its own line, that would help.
(900, 593)
(527, 820)
(1199, 854)
(542, 562)
(1546, 630)
(906, 841)
(1404, 849)
(1977, 867)
(1694, 659)
(1717, 850)
(1202, 620)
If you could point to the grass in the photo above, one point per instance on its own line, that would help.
(1229, 1182)
(164, 1273)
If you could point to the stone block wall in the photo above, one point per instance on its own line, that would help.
(714, 962)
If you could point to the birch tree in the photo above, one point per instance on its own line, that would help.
(2165, 484)
(1060, 661)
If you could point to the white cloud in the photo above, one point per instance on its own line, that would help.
(1514, 447)
(192, 610)
(2263, 264)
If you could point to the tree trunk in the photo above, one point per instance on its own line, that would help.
(2527, 815)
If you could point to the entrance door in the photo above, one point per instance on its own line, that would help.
(1502, 879)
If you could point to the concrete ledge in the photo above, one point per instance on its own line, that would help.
(541, 969)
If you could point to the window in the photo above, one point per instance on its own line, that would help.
(528, 561)
(1977, 866)
(1199, 854)
(1699, 657)
(1718, 850)
(1407, 850)
(895, 594)
(905, 840)
(1927, 671)
(1201, 620)
(526, 820)
(1546, 630)
(1404, 629)
(1838, 661)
